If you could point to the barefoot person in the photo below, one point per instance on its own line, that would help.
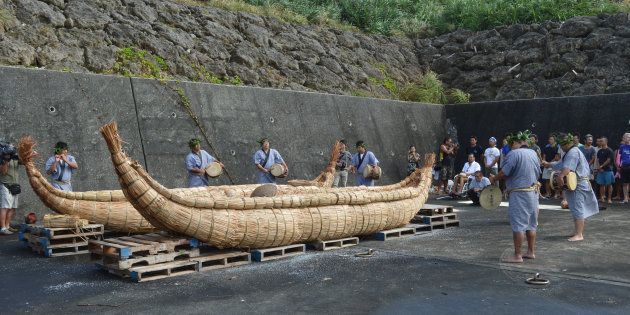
(582, 201)
(521, 169)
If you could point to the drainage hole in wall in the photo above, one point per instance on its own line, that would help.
(52, 109)
(173, 115)
(271, 119)
(232, 152)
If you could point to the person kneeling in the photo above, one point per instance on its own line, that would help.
(475, 186)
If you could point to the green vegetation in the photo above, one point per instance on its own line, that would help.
(5, 17)
(418, 17)
(133, 62)
(426, 89)
(137, 62)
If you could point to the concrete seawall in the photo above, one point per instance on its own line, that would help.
(58, 106)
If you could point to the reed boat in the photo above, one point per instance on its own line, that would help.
(260, 222)
(112, 209)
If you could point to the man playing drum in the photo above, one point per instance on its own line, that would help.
(264, 159)
(521, 170)
(196, 162)
(360, 161)
(582, 200)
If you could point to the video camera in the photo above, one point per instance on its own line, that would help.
(8, 152)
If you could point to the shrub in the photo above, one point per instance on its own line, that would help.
(419, 17)
(428, 89)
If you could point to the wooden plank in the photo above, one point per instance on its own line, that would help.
(137, 240)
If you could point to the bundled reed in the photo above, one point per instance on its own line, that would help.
(107, 207)
(111, 208)
(64, 221)
(260, 222)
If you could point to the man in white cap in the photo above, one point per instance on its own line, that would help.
(491, 157)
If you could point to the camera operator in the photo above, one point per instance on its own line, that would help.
(60, 167)
(344, 161)
(9, 187)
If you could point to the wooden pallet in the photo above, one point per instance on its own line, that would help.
(395, 233)
(430, 210)
(109, 262)
(222, 259)
(441, 221)
(435, 219)
(421, 228)
(55, 242)
(157, 269)
(42, 246)
(277, 252)
(123, 248)
(446, 224)
(61, 233)
(160, 271)
(335, 244)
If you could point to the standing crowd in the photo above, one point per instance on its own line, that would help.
(608, 168)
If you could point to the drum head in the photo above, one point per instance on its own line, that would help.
(367, 171)
(571, 181)
(372, 172)
(490, 197)
(214, 169)
(266, 190)
(277, 170)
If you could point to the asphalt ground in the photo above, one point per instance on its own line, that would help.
(454, 270)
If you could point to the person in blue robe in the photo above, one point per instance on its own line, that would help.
(196, 163)
(264, 159)
(360, 161)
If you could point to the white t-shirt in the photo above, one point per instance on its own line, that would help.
(490, 154)
(471, 167)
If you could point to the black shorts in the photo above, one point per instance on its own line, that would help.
(625, 176)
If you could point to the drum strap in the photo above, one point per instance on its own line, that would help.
(266, 157)
(361, 159)
(63, 170)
